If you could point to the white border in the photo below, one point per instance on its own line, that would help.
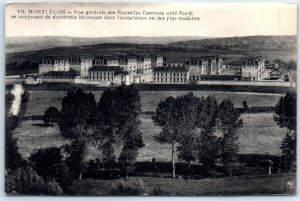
(209, 198)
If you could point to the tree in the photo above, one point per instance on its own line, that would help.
(207, 114)
(288, 147)
(77, 124)
(292, 65)
(285, 111)
(178, 118)
(285, 116)
(51, 116)
(117, 122)
(132, 142)
(229, 122)
(207, 143)
(245, 107)
(13, 159)
(187, 149)
(48, 163)
(42, 159)
(208, 149)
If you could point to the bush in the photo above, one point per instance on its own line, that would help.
(48, 188)
(128, 187)
(51, 116)
(48, 163)
(27, 181)
(157, 191)
(43, 159)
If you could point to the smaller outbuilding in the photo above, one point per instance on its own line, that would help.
(32, 80)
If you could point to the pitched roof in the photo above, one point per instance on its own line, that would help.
(205, 56)
(121, 72)
(58, 57)
(61, 73)
(106, 68)
(251, 58)
(170, 69)
(111, 57)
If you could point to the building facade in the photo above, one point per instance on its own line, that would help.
(144, 70)
(170, 75)
(253, 68)
(105, 60)
(53, 63)
(107, 74)
(81, 64)
(157, 61)
(205, 65)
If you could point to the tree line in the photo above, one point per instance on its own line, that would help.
(190, 125)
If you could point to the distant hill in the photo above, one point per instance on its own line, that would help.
(22, 44)
(270, 47)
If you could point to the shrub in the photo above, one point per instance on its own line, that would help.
(48, 188)
(51, 116)
(128, 187)
(43, 159)
(48, 163)
(27, 181)
(157, 191)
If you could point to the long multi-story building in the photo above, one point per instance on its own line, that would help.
(81, 64)
(170, 75)
(204, 65)
(157, 61)
(253, 68)
(53, 63)
(105, 60)
(144, 70)
(107, 74)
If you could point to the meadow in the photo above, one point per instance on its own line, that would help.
(41, 100)
(259, 135)
(254, 185)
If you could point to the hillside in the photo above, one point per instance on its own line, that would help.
(270, 47)
(21, 44)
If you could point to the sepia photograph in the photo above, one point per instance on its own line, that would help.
(150, 99)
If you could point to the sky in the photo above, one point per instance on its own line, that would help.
(216, 20)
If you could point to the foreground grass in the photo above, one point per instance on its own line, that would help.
(254, 185)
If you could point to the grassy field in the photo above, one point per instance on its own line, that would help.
(41, 100)
(257, 185)
(260, 133)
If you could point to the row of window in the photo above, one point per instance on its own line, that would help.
(170, 74)
(102, 74)
(101, 78)
(182, 80)
(58, 77)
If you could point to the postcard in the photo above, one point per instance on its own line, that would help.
(150, 99)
